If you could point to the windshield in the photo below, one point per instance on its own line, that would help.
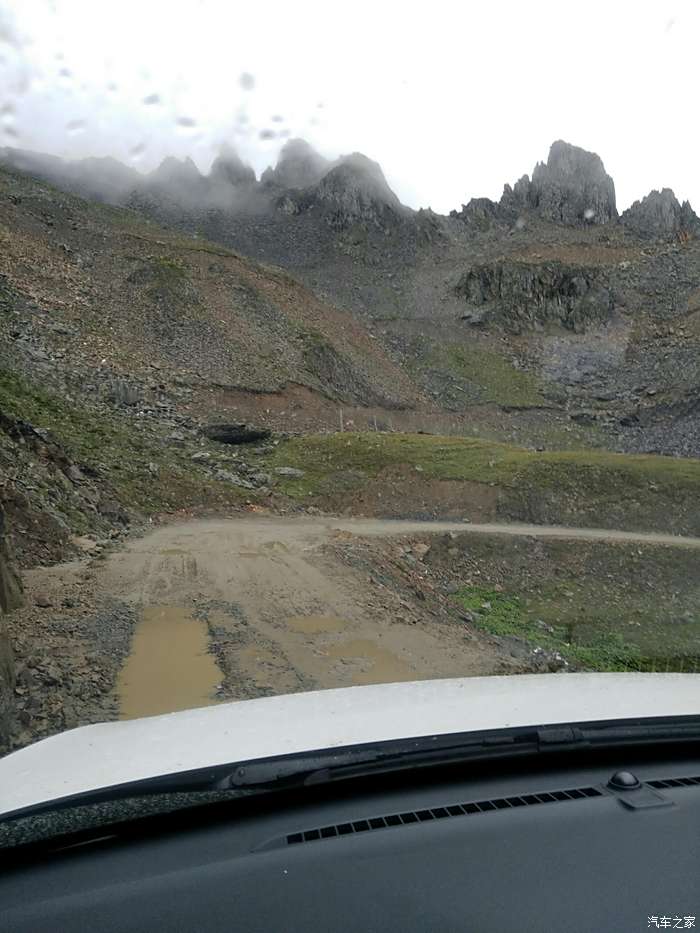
(342, 346)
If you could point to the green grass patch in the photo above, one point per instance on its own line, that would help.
(574, 487)
(494, 377)
(504, 615)
(592, 595)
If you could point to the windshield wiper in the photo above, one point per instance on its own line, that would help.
(308, 769)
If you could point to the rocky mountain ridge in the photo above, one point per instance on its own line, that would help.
(598, 307)
(570, 188)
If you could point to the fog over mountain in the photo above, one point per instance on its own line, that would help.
(433, 98)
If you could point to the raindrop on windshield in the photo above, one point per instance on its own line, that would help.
(137, 151)
(267, 134)
(277, 118)
(247, 81)
(151, 99)
(186, 123)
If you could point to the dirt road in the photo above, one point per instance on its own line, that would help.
(279, 614)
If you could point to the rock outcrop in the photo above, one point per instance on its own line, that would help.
(660, 215)
(521, 296)
(479, 213)
(572, 187)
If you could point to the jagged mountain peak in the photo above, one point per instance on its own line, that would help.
(355, 190)
(359, 176)
(172, 169)
(229, 168)
(571, 187)
(660, 214)
(298, 166)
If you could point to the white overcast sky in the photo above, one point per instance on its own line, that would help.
(452, 98)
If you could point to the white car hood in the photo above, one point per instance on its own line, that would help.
(113, 753)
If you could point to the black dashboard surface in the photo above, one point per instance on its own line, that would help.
(526, 851)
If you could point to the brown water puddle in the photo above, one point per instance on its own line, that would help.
(169, 667)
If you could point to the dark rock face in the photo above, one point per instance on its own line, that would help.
(235, 433)
(572, 187)
(298, 166)
(524, 296)
(660, 215)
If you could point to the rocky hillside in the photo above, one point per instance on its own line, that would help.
(120, 341)
(543, 320)
(595, 315)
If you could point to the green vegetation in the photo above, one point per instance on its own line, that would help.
(504, 615)
(607, 605)
(575, 487)
(494, 377)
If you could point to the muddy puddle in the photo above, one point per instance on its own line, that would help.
(169, 667)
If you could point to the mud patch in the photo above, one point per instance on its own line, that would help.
(316, 624)
(376, 665)
(169, 666)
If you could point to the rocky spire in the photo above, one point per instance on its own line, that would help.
(356, 190)
(661, 215)
(228, 168)
(298, 166)
(572, 187)
(172, 171)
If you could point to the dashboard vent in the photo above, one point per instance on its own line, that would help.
(441, 813)
(674, 782)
